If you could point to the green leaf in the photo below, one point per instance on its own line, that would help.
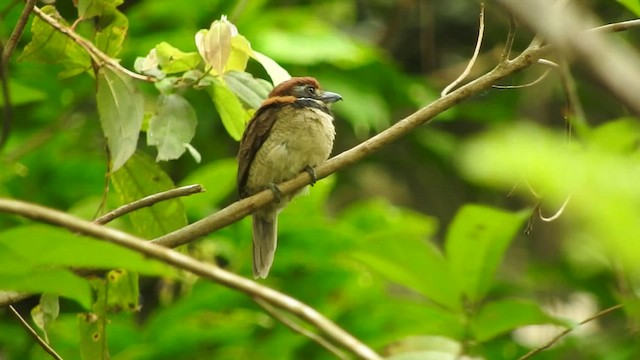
(276, 72)
(233, 115)
(141, 177)
(397, 247)
(46, 312)
(93, 344)
(172, 127)
(59, 282)
(240, 53)
(632, 5)
(475, 244)
(219, 178)
(22, 94)
(251, 91)
(90, 8)
(50, 46)
(112, 30)
(621, 136)
(173, 60)
(45, 246)
(502, 316)
(121, 109)
(123, 292)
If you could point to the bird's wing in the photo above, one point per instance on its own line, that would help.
(255, 135)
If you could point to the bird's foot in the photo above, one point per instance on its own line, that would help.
(312, 172)
(277, 194)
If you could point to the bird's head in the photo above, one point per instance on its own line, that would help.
(304, 88)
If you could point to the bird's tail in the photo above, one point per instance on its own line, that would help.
(265, 238)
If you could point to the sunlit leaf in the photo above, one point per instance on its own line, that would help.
(50, 46)
(172, 127)
(233, 115)
(121, 109)
(276, 72)
(112, 30)
(173, 60)
(240, 53)
(140, 177)
(475, 243)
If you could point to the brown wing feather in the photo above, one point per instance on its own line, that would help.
(255, 135)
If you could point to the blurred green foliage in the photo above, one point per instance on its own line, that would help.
(417, 250)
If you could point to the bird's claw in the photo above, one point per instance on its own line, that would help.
(312, 172)
(277, 194)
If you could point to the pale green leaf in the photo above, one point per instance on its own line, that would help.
(92, 331)
(251, 91)
(475, 244)
(276, 72)
(233, 115)
(172, 127)
(121, 109)
(140, 177)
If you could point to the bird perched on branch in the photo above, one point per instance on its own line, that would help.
(291, 132)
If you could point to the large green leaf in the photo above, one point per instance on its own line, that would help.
(121, 109)
(172, 127)
(233, 115)
(141, 177)
(31, 247)
(112, 30)
(55, 281)
(498, 317)
(475, 244)
(50, 46)
(397, 247)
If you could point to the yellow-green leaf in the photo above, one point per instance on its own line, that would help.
(234, 116)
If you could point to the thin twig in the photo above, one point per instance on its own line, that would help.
(43, 344)
(97, 55)
(476, 51)
(149, 201)
(617, 27)
(291, 324)
(508, 45)
(202, 269)
(521, 86)
(15, 36)
(557, 213)
(567, 331)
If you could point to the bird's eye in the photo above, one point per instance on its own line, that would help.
(311, 90)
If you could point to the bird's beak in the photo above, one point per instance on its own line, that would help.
(330, 97)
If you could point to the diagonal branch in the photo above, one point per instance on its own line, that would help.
(204, 270)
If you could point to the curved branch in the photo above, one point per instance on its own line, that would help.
(204, 270)
(149, 201)
(97, 55)
(246, 206)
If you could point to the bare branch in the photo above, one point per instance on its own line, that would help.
(508, 45)
(242, 208)
(43, 344)
(567, 331)
(615, 64)
(149, 201)
(617, 27)
(97, 55)
(476, 51)
(15, 36)
(204, 270)
(300, 330)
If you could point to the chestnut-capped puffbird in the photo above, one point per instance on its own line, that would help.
(291, 132)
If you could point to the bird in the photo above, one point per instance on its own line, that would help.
(292, 131)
